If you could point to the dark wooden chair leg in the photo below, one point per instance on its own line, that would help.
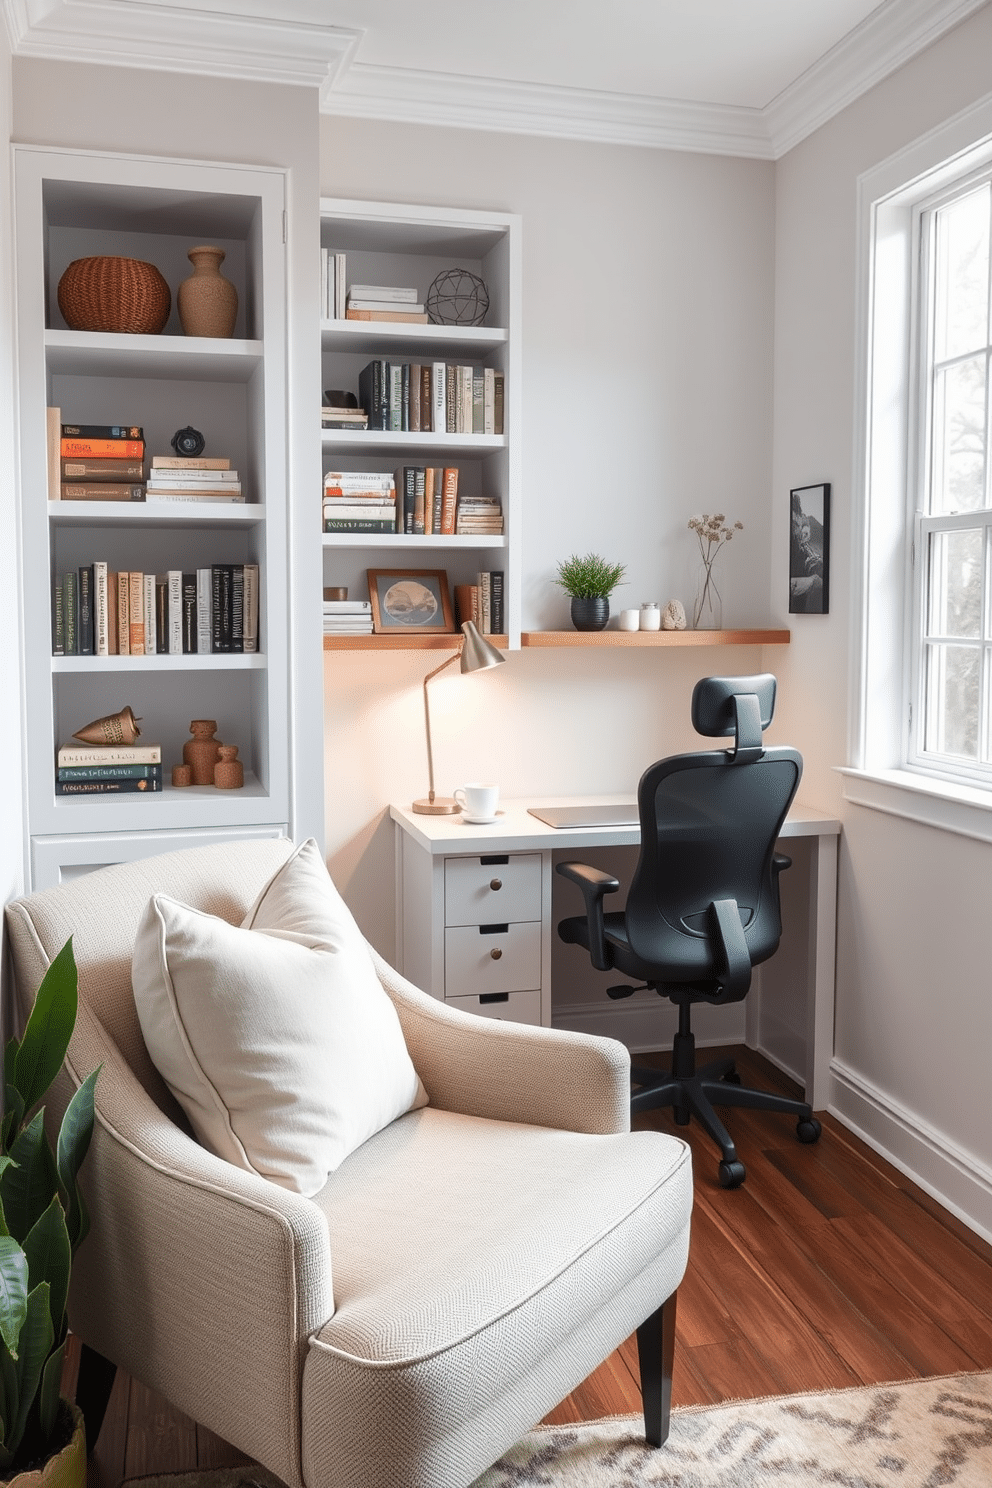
(93, 1387)
(656, 1356)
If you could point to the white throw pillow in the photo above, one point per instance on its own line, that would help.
(276, 1037)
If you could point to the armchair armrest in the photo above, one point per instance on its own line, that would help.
(595, 885)
(511, 1071)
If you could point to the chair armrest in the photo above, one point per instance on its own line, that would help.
(180, 1242)
(511, 1071)
(780, 861)
(595, 885)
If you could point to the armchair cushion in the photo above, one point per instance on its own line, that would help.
(275, 1036)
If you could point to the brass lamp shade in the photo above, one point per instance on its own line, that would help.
(474, 655)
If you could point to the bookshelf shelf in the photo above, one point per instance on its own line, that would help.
(409, 245)
(402, 643)
(653, 638)
(77, 204)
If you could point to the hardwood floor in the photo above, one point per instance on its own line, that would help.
(827, 1269)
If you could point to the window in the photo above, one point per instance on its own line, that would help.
(950, 714)
(921, 716)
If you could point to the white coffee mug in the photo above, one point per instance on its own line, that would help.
(478, 802)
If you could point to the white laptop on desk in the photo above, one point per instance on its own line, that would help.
(589, 814)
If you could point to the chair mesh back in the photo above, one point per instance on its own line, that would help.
(708, 831)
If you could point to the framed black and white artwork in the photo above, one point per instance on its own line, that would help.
(809, 550)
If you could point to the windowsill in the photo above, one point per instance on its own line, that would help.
(946, 805)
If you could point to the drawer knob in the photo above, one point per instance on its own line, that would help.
(495, 883)
(495, 953)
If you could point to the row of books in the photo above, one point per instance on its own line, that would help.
(347, 617)
(386, 302)
(99, 612)
(99, 770)
(106, 462)
(422, 500)
(482, 602)
(432, 397)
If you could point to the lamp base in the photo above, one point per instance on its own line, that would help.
(440, 806)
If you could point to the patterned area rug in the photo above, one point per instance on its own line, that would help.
(918, 1434)
(931, 1433)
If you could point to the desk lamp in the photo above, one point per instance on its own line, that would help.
(475, 653)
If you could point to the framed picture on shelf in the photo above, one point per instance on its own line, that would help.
(414, 601)
(809, 550)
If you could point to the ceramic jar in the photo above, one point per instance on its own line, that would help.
(650, 618)
(229, 772)
(207, 302)
(202, 752)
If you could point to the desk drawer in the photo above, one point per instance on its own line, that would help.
(478, 893)
(514, 1007)
(478, 959)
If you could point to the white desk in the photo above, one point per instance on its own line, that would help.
(474, 921)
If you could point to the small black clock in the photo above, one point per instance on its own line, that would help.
(188, 442)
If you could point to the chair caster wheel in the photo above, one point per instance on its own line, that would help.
(731, 1078)
(732, 1174)
(809, 1131)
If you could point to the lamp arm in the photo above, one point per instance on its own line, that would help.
(427, 721)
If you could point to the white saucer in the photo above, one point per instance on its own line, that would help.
(480, 821)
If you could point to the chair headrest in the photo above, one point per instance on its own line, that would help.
(741, 706)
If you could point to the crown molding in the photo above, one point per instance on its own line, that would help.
(891, 36)
(172, 38)
(403, 95)
(158, 35)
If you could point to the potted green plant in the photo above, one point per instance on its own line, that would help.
(590, 580)
(43, 1220)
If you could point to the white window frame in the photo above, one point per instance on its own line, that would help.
(888, 418)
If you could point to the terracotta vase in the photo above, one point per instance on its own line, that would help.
(208, 303)
(202, 752)
(229, 772)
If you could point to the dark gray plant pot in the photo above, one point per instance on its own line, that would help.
(590, 614)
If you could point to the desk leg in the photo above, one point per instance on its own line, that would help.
(822, 970)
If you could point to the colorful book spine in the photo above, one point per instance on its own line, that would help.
(133, 449)
(105, 787)
(109, 772)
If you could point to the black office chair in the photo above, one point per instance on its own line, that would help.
(703, 904)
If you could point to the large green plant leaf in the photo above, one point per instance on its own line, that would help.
(35, 1344)
(49, 1028)
(51, 1389)
(8, 1392)
(13, 1291)
(74, 1141)
(27, 1185)
(49, 1255)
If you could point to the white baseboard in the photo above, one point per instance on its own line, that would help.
(952, 1176)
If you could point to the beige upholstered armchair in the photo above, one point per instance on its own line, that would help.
(455, 1277)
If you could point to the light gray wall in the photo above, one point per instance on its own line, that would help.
(647, 345)
(914, 1014)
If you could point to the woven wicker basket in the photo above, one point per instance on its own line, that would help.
(114, 294)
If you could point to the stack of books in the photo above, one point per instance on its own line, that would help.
(96, 462)
(332, 282)
(359, 501)
(427, 499)
(432, 397)
(96, 612)
(482, 602)
(480, 514)
(393, 302)
(108, 769)
(347, 617)
(343, 418)
(193, 478)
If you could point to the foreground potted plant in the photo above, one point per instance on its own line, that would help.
(590, 580)
(43, 1220)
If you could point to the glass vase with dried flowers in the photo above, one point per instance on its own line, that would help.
(712, 532)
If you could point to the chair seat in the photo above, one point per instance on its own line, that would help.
(454, 1333)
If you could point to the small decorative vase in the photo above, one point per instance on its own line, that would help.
(590, 614)
(182, 775)
(208, 303)
(707, 612)
(202, 752)
(229, 772)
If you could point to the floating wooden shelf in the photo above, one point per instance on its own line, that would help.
(449, 642)
(655, 638)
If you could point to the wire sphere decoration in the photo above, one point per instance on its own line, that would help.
(457, 297)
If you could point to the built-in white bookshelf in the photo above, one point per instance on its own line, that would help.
(391, 244)
(72, 205)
